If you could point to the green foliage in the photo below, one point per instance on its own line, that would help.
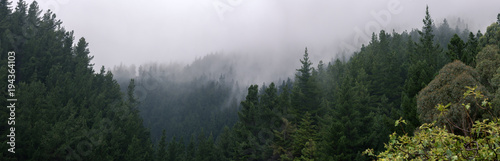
(182, 102)
(259, 117)
(432, 142)
(435, 143)
(456, 49)
(426, 48)
(448, 87)
(332, 112)
(161, 151)
(487, 62)
(424, 63)
(471, 50)
(491, 36)
(68, 111)
(190, 149)
(350, 132)
(282, 144)
(305, 91)
(498, 18)
(304, 139)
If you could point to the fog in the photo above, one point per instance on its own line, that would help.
(180, 31)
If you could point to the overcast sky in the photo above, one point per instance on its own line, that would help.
(137, 32)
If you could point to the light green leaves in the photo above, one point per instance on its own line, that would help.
(443, 108)
(400, 120)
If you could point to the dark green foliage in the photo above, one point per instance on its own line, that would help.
(448, 87)
(338, 110)
(498, 18)
(487, 64)
(427, 59)
(282, 143)
(305, 96)
(331, 112)
(471, 50)
(226, 145)
(456, 49)
(346, 131)
(488, 59)
(258, 118)
(304, 139)
(419, 74)
(190, 149)
(206, 149)
(161, 151)
(68, 111)
(426, 48)
(175, 150)
(465, 52)
(184, 100)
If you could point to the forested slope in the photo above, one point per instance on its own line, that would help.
(183, 100)
(65, 110)
(336, 111)
(327, 111)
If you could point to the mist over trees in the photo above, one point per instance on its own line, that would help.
(68, 110)
(439, 85)
(185, 99)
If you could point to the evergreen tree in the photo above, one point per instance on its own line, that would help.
(498, 18)
(304, 139)
(249, 109)
(346, 133)
(226, 145)
(471, 50)
(190, 149)
(282, 144)
(305, 92)
(70, 112)
(161, 152)
(456, 49)
(426, 47)
(423, 65)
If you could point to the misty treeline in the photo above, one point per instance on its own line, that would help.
(327, 111)
(65, 109)
(185, 100)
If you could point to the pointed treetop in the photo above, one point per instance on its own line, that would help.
(4, 8)
(427, 29)
(305, 69)
(498, 18)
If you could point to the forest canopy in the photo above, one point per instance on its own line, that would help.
(438, 85)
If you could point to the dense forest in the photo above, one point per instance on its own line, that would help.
(429, 93)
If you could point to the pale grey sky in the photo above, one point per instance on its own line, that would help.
(137, 32)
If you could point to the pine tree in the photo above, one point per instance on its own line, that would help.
(423, 65)
(226, 146)
(305, 93)
(190, 149)
(456, 49)
(81, 53)
(4, 9)
(174, 150)
(498, 18)
(249, 109)
(471, 50)
(344, 133)
(282, 144)
(71, 113)
(161, 153)
(426, 47)
(304, 139)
